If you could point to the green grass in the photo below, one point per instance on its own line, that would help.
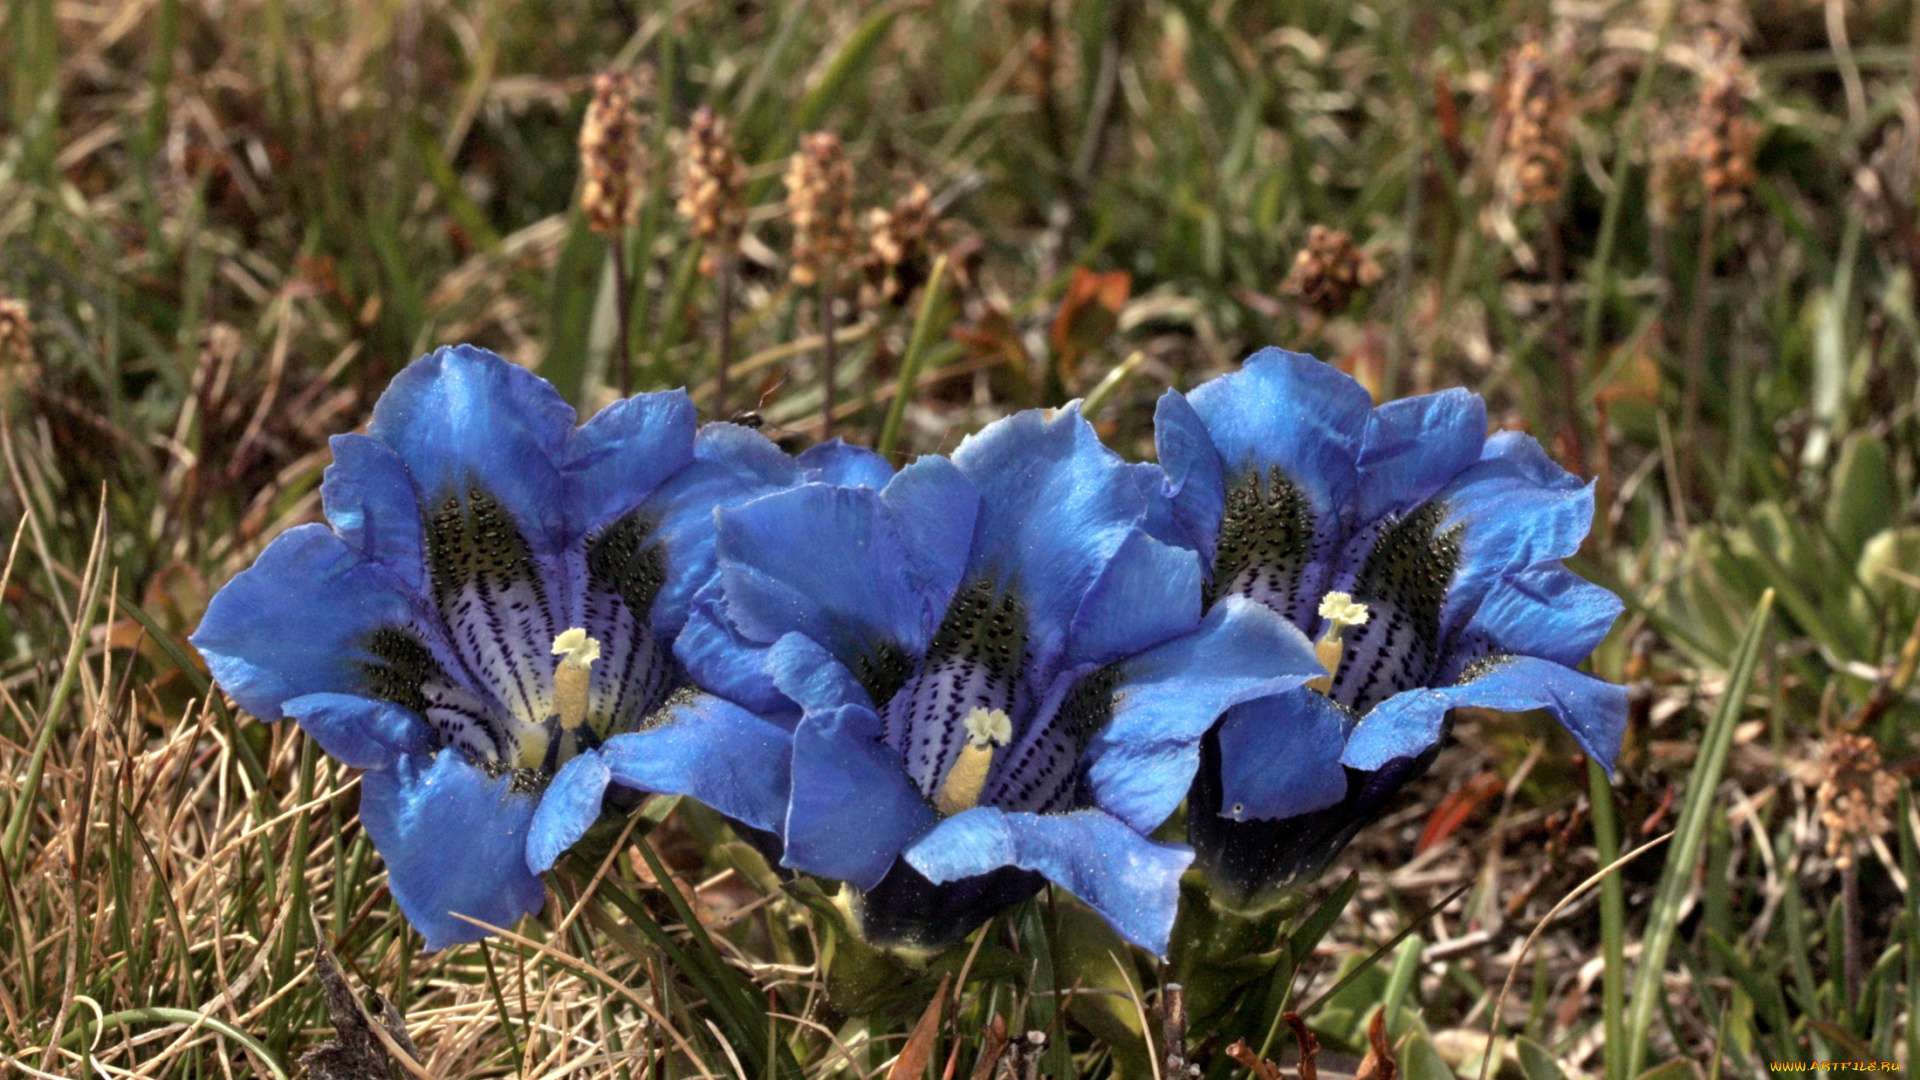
(233, 223)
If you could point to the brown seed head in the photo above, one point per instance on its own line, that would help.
(1854, 794)
(16, 335)
(712, 184)
(1533, 111)
(899, 246)
(1329, 270)
(613, 156)
(820, 202)
(1724, 137)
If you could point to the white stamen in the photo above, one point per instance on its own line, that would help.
(571, 679)
(988, 726)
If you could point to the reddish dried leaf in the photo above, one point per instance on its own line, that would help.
(1379, 1063)
(1457, 807)
(1262, 1068)
(1309, 1046)
(1088, 313)
(912, 1062)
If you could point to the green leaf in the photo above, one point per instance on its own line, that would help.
(1864, 500)
(1537, 1063)
(1677, 1069)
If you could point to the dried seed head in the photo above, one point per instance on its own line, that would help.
(1329, 270)
(820, 202)
(16, 335)
(1855, 796)
(713, 180)
(1533, 110)
(900, 241)
(613, 156)
(1724, 137)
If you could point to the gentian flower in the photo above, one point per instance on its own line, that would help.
(990, 673)
(1420, 554)
(498, 595)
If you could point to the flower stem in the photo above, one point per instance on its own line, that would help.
(829, 358)
(623, 311)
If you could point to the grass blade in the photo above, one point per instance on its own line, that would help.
(1689, 835)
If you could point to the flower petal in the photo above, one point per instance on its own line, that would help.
(1405, 725)
(1516, 510)
(1290, 411)
(935, 509)
(624, 452)
(1280, 756)
(1149, 592)
(1414, 446)
(1133, 882)
(454, 840)
(812, 677)
(712, 750)
(462, 417)
(359, 731)
(1055, 507)
(1140, 764)
(292, 623)
(1196, 482)
(568, 808)
(368, 495)
(720, 659)
(862, 596)
(731, 466)
(1545, 611)
(844, 465)
(853, 807)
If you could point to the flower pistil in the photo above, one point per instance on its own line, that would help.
(1341, 611)
(986, 729)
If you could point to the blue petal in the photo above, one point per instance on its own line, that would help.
(1546, 611)
(360, 732)
(1414, 446)
(1055, 508)
(720, 659)
(463, 416)
(811, 676)
(629, 448)
(1149, 592)
(843, 465)
(369, 498)
(826, 562)
(1141, 762)
(853, 807)
(568, 808)
(714, 751)
(731, 466)
(290, 624)
(1133, 882)
(1280, 756)
(454, 840)
(1196, 482)
(935, 508)
(1289, 410)
(1519, 510)
(1404, 725)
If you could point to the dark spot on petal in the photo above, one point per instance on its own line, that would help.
(1266, 542)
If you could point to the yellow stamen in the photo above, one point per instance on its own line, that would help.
(1341, 611)
(577, 653)
(986, 729)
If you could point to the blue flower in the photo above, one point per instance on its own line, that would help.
(499, 594)
(990, 673)
(1424, 558)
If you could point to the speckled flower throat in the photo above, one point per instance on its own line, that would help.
(1373, 603)
(970, 730)
(529, 674)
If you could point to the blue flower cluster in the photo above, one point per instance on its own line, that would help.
(943, 686)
